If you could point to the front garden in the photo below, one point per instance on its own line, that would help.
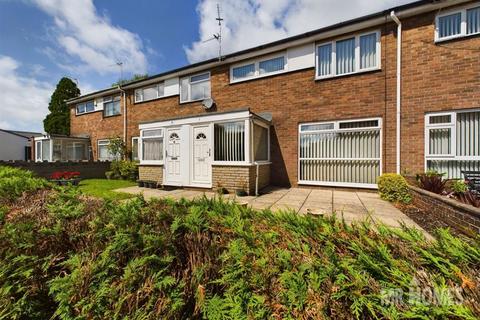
(66, 256)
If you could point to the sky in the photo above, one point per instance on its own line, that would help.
(42, 41)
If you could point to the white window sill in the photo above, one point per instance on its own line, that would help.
(190, 101)
(458, 36)
(151, 162)
(347, 74)
(270, 74)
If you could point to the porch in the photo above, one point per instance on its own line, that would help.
(52, 148)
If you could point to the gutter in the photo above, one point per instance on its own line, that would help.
(399, 86)
(124, 94)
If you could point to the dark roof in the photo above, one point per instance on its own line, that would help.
(279, 42)
(23, 134)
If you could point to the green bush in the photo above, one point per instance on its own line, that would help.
(432, 181)
(459, 186)
(394, 188)
(124, 169)
(13, 182)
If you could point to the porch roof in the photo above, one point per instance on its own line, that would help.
(214, 116)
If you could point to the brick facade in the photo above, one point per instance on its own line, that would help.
(151, 173)
(434, 77)
(235, 178)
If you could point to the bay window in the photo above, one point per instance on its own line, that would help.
(196, 87)
(229, 139)
(350, 55)
(152, 146)
(458, 23)
(452, 142)
(111, 106)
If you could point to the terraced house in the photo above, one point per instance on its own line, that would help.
(395, 91)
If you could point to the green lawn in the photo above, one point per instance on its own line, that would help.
(103, 188)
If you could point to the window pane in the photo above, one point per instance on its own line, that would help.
(138, 95)
(449, 25)
(315, 127)
(345, 56)
(468, 133)
(184, 90)
(440, 141)
(135, 149)
(38, 150)
(79, 151)
(150, 93)
(103, 153)
(153, 149)
(46, 150)
(200, 90)
(368, 51)
(112, 108)
(89, 106)
(473, 20)
(272, 65)
(440, 119)
(200, 77)
(358, 124)
(81, 108)
(161, 90)
(325, 60)
(260, 143)
(153, 133)
(243, 71)
(57, 151)
(229, 141)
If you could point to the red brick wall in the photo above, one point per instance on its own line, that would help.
(435, 77)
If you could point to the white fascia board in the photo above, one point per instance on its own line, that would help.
(197, 119)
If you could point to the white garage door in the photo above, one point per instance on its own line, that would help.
(340, 153)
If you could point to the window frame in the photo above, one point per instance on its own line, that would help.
(98, 149)
(252, 136)
(256, 62)
(357, 69)
(182, 101)
(157, 85)
(463, 23)
(247, 139)
(85, 104)
(111, 99)
(140, 146)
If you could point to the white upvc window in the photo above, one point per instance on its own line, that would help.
(348, 55)
(150, 93)
(196, 87)
(135, 154)
(452, 142)
(85, 107)
(111, 106)
(102, 151)
(262, 67)
(457, 23)
(151, 146)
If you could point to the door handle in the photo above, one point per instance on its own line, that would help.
(209, 150)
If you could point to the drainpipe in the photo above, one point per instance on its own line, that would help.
(256, 179)
(124, 115)
(399, 83)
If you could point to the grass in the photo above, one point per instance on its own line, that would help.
(103, 188)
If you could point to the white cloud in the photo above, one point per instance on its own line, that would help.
(24, 102)
(253, 22)
(84, 34)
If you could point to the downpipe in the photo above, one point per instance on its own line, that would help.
(399, 87)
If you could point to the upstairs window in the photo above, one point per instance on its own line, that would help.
(85, 107)
(196, 87)
(459, 23)
(111, 106)
(346, 56)
(259, 68)
(149, 93)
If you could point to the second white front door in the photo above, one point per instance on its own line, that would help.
(202, 168)
(173, 173)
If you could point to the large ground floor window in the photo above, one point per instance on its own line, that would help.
(452, 142)
(343, 153)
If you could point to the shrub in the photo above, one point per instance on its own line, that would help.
(470, 198)
(432, 181)
(394, 187)
(14, 182)
(459, 186)
(124, 169)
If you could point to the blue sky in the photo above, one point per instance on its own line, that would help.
(44, 40)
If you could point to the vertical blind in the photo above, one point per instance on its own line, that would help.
(229, 141)
(345, 51)
(468, 134)
(272, 65)
(449, 25)
(473, 20)
(440, 141)
(243, 71)
(336, 156)
(368, 49)
(325, 60)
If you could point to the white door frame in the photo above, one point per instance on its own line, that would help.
(166, 177)
(208, 132)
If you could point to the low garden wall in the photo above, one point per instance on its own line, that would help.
(462, 217)
(87, 169)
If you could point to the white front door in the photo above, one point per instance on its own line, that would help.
(173, 157)
(202, 173)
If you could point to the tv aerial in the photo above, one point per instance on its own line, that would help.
(218, 36)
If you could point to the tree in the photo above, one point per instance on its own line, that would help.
(117, 148)
(135, 77)
(58, 120)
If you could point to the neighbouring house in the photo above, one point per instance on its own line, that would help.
(16, 145)
(394, 91)
(54, 147)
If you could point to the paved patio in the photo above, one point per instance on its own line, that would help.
(352, 205)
